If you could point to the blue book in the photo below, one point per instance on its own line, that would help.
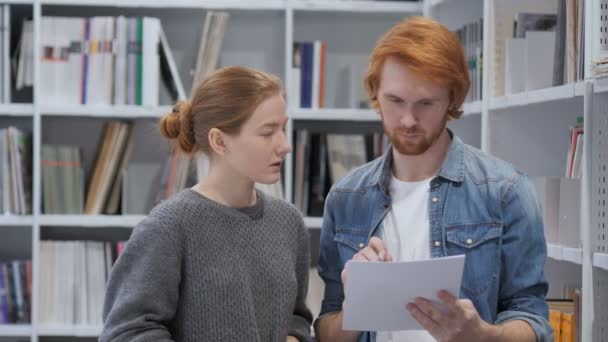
(85, 62)
(4, 315)
(19, 293)
(306, 70)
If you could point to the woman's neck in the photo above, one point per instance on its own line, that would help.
(228, 188)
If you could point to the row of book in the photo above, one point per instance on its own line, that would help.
(4, 53)
(63, 180)
(15, 292)
(99, 61)
(471, 38)
(323, 159)
(73, 276)
(546, 49)
(308, 74)
(565, 316)
(15, 171)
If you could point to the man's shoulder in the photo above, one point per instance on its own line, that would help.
(483, 168)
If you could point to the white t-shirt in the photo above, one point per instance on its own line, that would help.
(406, 233)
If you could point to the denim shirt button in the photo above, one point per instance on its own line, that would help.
(435, 200)
(437, 243)
(361, 245)
(469, 241)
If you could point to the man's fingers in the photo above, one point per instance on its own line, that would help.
(430, 310)
(360, 257)
(427, 322)
(369, 254)
(451, 302)
(380, 248)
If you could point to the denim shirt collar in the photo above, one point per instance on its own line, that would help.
(452, 168)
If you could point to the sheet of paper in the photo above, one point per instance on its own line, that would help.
(376, 292)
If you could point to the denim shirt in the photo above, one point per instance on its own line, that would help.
(479, 206)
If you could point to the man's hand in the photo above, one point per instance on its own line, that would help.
(461, 322)
(292, 339)
(375, 251)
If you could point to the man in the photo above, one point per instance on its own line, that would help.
(430, 196)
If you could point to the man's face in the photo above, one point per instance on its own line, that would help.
(413, 108)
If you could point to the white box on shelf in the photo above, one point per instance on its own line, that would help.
(515, 66)
(569, 231)
(540, 51)
(547, 190)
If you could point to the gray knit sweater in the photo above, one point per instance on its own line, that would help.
(196, 270)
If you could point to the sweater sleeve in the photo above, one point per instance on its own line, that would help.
(143, 288)
(302, 318)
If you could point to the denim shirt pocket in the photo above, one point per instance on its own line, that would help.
(481, 243)
(350, 241)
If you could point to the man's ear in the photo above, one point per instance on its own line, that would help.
(217, 141)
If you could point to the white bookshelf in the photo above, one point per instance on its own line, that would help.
(203, 4)
(17, 110)
(355, 6)
(335, 115)
(118, 112)
(313, 222)
(16, 220)
(471, 108)
(548, 95)
(600, 260)
(15, 330)
(73, 331)
(491, 121)
(278, 24)
(302, 5)
(561, 253)
(93, 221)
(18, 2)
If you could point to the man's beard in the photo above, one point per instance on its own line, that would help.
(423, 143)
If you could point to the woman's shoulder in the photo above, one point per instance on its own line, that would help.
(279, 205)
(169, 214)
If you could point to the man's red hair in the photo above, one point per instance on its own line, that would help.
(429, 49)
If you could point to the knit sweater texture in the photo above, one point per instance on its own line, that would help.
(196, 270)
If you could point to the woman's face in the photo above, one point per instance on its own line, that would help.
(258, 150)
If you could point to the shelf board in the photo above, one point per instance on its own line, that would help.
(77, 331)
(313, 222)
(435, 3)
(356, 6)
(561, 253)
(94, 221)
(600, 85)
(126, 112)
(335, 114)
(471, 108)
(600, 260)
(18, 2)
(17, 109)
(560, 93)
(16, 220)
(206, 4)
(15, 330)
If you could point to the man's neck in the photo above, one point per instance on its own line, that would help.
(416, 168)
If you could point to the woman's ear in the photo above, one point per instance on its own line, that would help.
(217, 142)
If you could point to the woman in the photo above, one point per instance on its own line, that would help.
(219, 261)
